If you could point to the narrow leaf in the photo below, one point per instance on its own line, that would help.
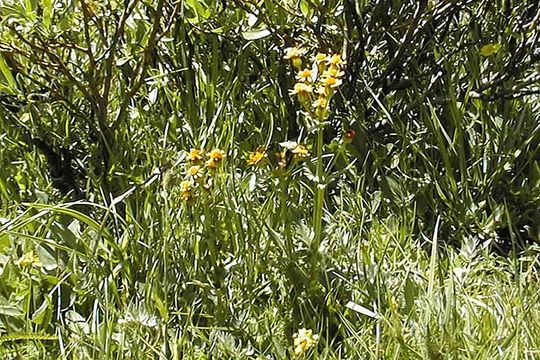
(256, 34)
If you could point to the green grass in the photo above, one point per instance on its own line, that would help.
(416, 239)
(226, 289)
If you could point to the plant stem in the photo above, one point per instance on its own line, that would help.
(319, 191)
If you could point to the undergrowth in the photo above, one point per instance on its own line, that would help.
(269, 180)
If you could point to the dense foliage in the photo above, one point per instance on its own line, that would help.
(269, 179)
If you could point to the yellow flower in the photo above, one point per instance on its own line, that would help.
(320, 58)
(301, 89)
(186, 195)
(185, 185)
(282, 159)
(186, 188)
(305, 75)
(257, 157)
(211, 163)
(320, 103)
(295, 55)
(28, 259)
(333, 71)
(320, 107)
(300, 151)
(216, 154)
(490, 49)
(335, 60)
(331, 82)
(294, 52)
(303, 341)
(194, 155)
(214, 158)
(195, 171)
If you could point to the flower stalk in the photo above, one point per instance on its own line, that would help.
(319, 190)
(314, 89)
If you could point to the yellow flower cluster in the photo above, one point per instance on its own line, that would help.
(200, 166)
(257, 157)
(317, 84)
(300, 151)
(260, 156)
(303, 341)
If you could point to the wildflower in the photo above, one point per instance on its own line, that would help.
(333, 71)
(216, 154)
(186, 188)
(28, 259)
(195, 171)
(321, 90)
(300, 151)
(303, 341)
(335, 60)
(194, 155)
(186, 195)
(295, 55)
(257, 157)
(320, 106)
(331, 82)
(320, 58)
(302, 90)
(282, 159)
(305, 75)
(320, 103)
(294, 52)
(214, 158)
(490, 49)
(185, 185)
(211, 163)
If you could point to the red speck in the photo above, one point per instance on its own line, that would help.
(350, 134)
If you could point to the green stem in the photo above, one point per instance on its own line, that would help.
(319, 192)
(284, 215)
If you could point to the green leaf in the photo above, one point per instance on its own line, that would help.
(410, 293)
(305, 8)
(47, 13)
(4, 242)
(199, 8)
(10, 310)
(47, 257)
(490, 49)
(163, 311)
(5, 89)
(64, 209)
(41, 314)
(535, 174)
(256, 34)
(8, 76)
